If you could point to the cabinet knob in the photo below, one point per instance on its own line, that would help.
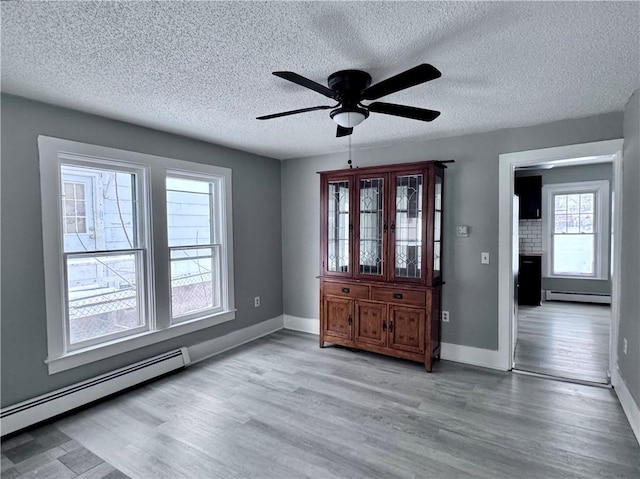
(384, 325)
(397, 295)
(391, 326)
(345, 290)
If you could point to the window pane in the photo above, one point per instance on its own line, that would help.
(560, 224)
(101, 204)
(573, 203)
(189, 211)
(586, 203)
(573, 254)
(586, 223)
(560, 203)
(195, 280)
(103, 295)
(573, 223)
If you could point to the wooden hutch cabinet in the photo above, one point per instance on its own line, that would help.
(380, 260)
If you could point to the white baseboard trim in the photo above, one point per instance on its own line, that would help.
(32, 411)
(628, 404)
(485, 358)
(450, 352)
(578, 297)
(305, 325)
(207, 349)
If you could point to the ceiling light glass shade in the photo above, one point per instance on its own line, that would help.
(348, 119)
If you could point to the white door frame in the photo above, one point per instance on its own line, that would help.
(583, 153)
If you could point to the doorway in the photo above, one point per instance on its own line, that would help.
(564, 339)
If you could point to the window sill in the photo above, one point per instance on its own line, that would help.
(113, 348)
(590, 278)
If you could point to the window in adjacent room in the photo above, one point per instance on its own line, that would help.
(577, 229)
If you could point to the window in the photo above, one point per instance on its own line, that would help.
(114, 283)
(194, 241)
(577, 224)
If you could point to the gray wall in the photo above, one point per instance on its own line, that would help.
(471, 198)
(256, 230)
(629, 364)
(570, 174)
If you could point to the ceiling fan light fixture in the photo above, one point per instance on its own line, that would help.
(348, 118)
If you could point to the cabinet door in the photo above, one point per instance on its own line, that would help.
(530, 281)
(529, 191)
(371, 227)
(338, 317)
(407, 226)
(370, 324)
(406, 328)
(337, 228)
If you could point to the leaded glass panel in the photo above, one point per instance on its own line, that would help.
(408, 226)
(338, 227)
(371, 225)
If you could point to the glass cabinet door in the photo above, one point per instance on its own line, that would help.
(407, 226)
(338, 226)
(371, 227)
(437, 227)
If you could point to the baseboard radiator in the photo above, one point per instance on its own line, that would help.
(32, 411)
(578, 297)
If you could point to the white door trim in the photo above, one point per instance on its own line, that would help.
(583, 153)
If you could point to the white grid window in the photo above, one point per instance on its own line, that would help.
(577, 223)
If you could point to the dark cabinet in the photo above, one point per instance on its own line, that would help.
(530, 280)
(529, 191)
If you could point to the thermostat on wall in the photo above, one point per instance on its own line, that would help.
(462, 231)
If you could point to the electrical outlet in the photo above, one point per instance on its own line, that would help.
(256, 302)
(484, 258)
(445, 316)
(624, 345)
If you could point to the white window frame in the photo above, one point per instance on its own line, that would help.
(153, 170)
(601, 224)
(217, 234)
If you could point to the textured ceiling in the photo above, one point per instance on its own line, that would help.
(203, 69)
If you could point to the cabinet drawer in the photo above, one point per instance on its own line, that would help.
(347, 290)
(400, 296)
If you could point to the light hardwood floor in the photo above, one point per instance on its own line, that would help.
(281, 407)
(566, 340)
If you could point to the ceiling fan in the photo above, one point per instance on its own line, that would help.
(350, 87)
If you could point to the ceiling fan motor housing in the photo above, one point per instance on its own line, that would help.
(349, 85)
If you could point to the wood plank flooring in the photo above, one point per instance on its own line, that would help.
(281, 407)
(562, 339)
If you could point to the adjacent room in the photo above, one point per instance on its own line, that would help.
(320, 239)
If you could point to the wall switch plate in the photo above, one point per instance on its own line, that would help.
(462, 231)
(624, 345)
(445, 316)
(484, 258)
(256, 302)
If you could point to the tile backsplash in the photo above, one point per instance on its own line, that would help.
(530, 236)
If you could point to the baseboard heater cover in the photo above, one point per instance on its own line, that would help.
(578, 297)
(32, 411)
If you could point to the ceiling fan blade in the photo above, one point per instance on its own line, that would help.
(305, 82)
(404, 111)
(293, 112)
(414, 76)
(342, 131)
